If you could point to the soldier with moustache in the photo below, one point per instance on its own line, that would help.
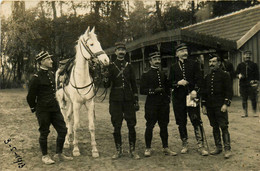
(248, 74)
(123, 99)
(185, 78)
(216, 97)
(41, 98)
(156, 86)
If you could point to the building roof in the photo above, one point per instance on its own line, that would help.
(229, 31)
(231, 26)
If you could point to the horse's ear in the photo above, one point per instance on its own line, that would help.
(93, 30)
(87, 31)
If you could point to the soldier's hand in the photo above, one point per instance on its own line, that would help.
(240, 76)
(33, 109)
(183, 82)
(158, 90)
(204, 110)
(224, 108)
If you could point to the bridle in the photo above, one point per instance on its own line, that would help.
(92, 56)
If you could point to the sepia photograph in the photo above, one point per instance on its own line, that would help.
(130, 85)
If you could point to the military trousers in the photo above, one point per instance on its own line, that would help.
(248, 92)
(120, 110)
(181, 112)
(45, 119)
(219, 121)
(154, 114)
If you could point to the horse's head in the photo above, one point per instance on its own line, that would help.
(88, 43)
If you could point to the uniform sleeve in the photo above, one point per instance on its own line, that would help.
(133, 81)
(144, 88)
(172, 80)
(238, 70)
(198, 78)
(256, 72)
(228, 89)
(204, 91)
(32, 92)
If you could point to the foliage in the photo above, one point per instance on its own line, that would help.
(56, 25)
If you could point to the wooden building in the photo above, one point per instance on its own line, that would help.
(230, 34)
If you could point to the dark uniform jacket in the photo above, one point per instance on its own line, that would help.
(217, 89)
(122, 81)
(250, 72)
(41, 94)
(190, 71)
(152, 80)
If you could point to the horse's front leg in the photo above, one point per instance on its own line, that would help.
(68, 120)
(76, 108)
(91, 118)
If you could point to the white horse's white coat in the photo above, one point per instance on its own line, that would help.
(71, 99)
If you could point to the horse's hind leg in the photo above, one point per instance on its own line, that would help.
(76, 108)
(91, 119)
(68, 120)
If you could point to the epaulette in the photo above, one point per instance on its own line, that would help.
(35, 75)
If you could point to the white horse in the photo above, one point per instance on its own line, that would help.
(80, 90)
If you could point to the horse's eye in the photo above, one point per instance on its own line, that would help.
(91, 44)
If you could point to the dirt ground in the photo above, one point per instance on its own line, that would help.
(20, 126)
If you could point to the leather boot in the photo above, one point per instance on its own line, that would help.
(245, 112)
(118, 153)
(217, 139)
(133, 154)
(226, 139)
(184, 149)
(199, 137)
(118, 144)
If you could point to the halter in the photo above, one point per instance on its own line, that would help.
(93, 55)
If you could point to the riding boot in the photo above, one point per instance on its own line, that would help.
(226, 140)
(217, 139)
(118, 143)
(184, 138)
(199, 137)
(184, 149)
(245, 112)
(133, 154)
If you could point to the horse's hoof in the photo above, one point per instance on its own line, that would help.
(95, 154)
(66, 145)
(76, 153)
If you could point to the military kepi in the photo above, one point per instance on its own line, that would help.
(120, 45)
(181, 46)
(247, 51)
(42, 55)
(154, 55)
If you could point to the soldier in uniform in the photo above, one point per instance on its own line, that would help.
(156, 86)
(185, 77)
(123, 100)
(216, 98)
(41, 98)
(248, 75)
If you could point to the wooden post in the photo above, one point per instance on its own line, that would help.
(143, 58)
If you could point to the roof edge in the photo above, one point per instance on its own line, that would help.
(223, 16)
(248, 35)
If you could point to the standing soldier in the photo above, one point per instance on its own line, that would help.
(215, 100)
(185, 77)
(248, 75)
(41, 98)
(155, 85)
(123, 100)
